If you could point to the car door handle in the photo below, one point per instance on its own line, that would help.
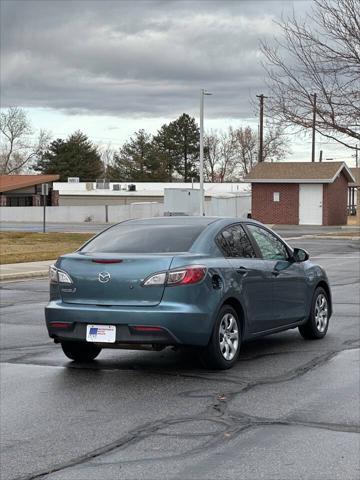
(242, 270)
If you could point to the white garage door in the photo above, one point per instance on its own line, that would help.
(310, 204)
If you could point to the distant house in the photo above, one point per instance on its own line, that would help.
(300, 193)
(26, 190)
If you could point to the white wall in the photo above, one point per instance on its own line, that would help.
(91, 214)
(182, 201)
(233, 206)
(144, 210)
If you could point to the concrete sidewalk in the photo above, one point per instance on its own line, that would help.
(288, 232)
(16, 271)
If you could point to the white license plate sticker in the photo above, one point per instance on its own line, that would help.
(101, 333)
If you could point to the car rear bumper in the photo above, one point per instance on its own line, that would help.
(180, 324)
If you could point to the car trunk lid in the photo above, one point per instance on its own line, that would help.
(112, 279)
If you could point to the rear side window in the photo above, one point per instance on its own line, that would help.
(271, 247)
(234, 242)
(145, 238)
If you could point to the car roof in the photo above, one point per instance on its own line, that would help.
(187, 220)
(176, 220)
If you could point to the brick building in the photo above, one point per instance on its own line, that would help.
(300, 193)
(26, 190)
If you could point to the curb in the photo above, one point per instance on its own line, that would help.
(323, 237)
(23, 275)
(333, 237)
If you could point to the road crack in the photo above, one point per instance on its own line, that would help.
(232, 423)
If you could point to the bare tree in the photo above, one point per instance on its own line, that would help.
(107, 157)
(276, 147)
(18, 148)
(230, 155)
(246, 149)
(220, 155)
(211, 155)
(276, 144)
(319, 54)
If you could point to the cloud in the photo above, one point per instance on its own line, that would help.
(134, 58)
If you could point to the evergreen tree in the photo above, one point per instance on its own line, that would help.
(178, 147)
(74, 157)
(136, 161)
(166, 151)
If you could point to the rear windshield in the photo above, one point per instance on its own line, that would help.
(145, 238)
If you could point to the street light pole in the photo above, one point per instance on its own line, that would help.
(203, 92)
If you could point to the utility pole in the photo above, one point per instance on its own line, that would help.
(357, 156)
(313, 129)
(261, 132)
(203, 92)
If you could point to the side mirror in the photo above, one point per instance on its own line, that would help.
(300, 255)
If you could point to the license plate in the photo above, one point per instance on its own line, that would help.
(101, 333)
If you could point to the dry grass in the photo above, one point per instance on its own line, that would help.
(16, 247)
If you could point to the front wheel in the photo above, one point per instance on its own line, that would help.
(224, 346)
(80, 351)
(318, 322)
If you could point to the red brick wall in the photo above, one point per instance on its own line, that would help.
(335, 202)
(264, 209)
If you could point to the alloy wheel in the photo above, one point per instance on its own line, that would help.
(321, 312)
(228, 336)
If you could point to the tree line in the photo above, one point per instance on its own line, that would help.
(169, 155)
(319, 54)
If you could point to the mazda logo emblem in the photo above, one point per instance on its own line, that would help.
(104, 277)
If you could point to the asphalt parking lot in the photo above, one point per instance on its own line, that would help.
(288, 410)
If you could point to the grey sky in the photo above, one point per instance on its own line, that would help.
(112, 67)
(135, 59)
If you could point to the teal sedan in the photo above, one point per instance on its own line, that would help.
(205, 282)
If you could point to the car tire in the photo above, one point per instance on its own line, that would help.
(223, 349)
(80, 351)
(318, 322)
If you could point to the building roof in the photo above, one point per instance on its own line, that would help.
(298, 172)
(15, 182)
(356, 174)
(147, 189)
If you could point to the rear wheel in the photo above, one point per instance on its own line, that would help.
(318, 322)
(224, 346)
(80, 351)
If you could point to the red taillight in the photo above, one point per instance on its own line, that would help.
(60, 324)
(178, 276)
(186, 276)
